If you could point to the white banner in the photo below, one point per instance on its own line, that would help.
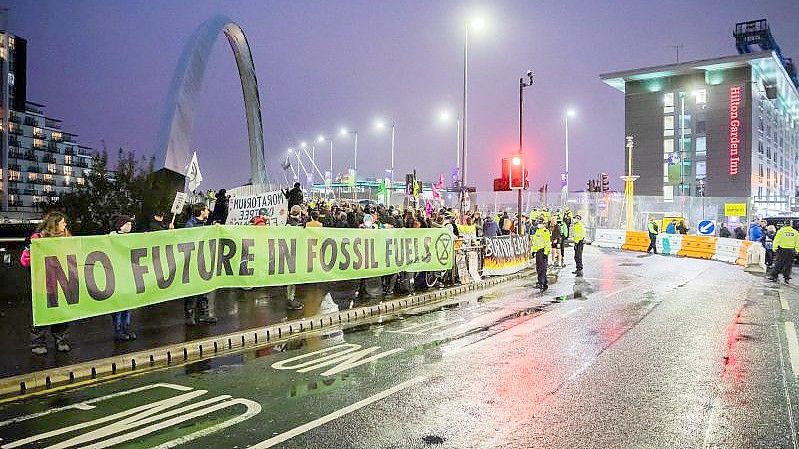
(178, 203)
(271, 205)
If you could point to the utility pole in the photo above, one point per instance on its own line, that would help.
(522, 84)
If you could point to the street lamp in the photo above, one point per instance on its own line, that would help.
(478, 24)
(525, 81)
(445, 116)
(381, 125)
(569, 114)
(344, 132)
(321, 139)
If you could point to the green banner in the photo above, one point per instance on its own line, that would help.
(79, 277)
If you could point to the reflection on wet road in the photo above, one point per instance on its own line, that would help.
(642, 352)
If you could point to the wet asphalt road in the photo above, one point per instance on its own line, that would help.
(644, 352)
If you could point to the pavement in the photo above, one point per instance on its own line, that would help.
(645, 351)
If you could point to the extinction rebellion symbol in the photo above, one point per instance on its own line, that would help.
(443, 243)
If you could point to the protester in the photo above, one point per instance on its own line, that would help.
(157, 222)
(54, 224)
(294, 196)
(768, 243)
(724, 232)
(220, 207)
(785, 242)
(740, 233)
(295, 216)
(314, 221)
(682, 228)
(556, 240)
(196, 307)
(123, 224)
(756, 232)
(671, 228)
(490, 227)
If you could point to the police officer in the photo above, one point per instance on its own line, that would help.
(541, 248)
(579, 242)
(653, 235)
(785, 242)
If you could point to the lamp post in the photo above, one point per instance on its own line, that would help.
(321, 139)
(381, 125)
(344, 132)
(477, 24)
(522, 84)
(569, 113)
(445, 116)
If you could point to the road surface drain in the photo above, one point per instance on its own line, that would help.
(433, 439)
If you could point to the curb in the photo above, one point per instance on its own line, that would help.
(180, 353)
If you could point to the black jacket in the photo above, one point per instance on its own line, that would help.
(294, 196)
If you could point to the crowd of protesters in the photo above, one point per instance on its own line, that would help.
(554, 226)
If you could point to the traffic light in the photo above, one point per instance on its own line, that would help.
(502, 184)
(605, 182)
(518, 174)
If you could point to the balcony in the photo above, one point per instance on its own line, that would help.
(67, 138)
(47, 182)
(39, 146)
(69, 151)
(51, 171)
(16, 130)
(30, 121)
(48, 158)
(12, 141)
(15, 203)
(13, 154)
(52, 147)
(34, 169)
(13, 167)
(80, 163)
(13, 118)
(29, 156)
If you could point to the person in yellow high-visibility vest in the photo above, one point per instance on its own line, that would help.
(785, 242)
(541, 246)
(579, 242)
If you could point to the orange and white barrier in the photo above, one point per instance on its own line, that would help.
(739, 252)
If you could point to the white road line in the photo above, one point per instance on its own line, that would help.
(570, 312)
(783, 302)
(793, 346)
(277, 439)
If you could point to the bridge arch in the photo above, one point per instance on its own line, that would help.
(172, 150)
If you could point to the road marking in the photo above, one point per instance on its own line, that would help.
(793, 346)
(343, 356)
(277, 439)
(783, 302)
(571, 312)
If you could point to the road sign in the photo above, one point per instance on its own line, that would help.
(734, 209)
(706, 227)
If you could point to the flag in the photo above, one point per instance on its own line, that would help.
(193, 175)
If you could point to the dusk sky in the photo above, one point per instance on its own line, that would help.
(104, 67)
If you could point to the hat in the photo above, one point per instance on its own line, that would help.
(120, 220)
(258, 220)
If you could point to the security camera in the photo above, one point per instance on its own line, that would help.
(530, 76)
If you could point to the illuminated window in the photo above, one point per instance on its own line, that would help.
(668, 193)
(760, 147)
(68, 160)
(79, 181)
(67, 170)
(66, 180)
(56, 136)
(701, 96)
(701, 170)
(32, 177)
(668, 145)
(668, 103)
(37, 132)
(701, 146)
(668, 126)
